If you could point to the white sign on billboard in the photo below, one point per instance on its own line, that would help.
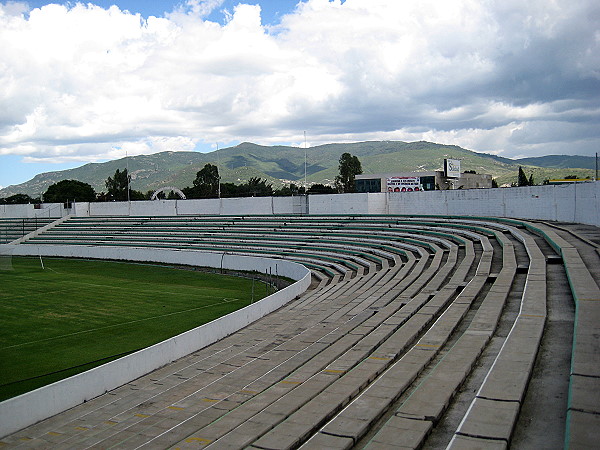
(404, 184)
(452, 168)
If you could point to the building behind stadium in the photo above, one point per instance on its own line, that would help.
(449, 178)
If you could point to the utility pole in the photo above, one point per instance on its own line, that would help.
(596, 166)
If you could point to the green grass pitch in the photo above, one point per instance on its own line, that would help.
(78, 314)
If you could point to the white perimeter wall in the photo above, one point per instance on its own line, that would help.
(29, 211)
(571, 203)
(29, 408)
(213, 206)
(348, 204)
(568, 203)
(578, 203)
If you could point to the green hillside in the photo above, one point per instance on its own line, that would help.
(560, 161)
(544, 173)
(276, 163)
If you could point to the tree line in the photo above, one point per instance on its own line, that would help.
(207, 184)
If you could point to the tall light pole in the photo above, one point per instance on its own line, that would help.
(305, 184)
(218, 172)
(127, 168)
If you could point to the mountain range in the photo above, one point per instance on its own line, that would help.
(284, 164)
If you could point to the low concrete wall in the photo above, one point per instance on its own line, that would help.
(29, 408)
(211, 206)
(44, 210)
(378, 204)
(372, 203)
(339, 203)
(15, 211)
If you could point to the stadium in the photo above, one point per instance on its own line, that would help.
(442, 319)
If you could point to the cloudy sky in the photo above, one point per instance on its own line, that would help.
(83, 82)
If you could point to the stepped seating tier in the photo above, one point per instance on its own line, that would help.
(13, 229)
(403, 312)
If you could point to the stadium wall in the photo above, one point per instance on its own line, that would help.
(27, 409)
(566, 203)
(31, 211)
(212, 206)
(578, 203)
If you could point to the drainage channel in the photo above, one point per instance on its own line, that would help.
(543, 414)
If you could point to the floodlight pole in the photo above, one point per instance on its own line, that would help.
(305, 158)
(127, 168)
(218, 171)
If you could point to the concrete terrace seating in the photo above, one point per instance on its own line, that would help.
(13, 229)
(403, 313)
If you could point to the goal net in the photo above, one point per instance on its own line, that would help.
(6, 255)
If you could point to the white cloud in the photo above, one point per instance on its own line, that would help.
(83, 83)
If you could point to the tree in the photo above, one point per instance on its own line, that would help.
(18, 199)
(227, 190)
(69, 190)
(206, 184)
(321, 189)
(294, 189)
(256, 187)
(522, 180)
(349, 167)
(137, 195)
(286, 191)
(117, 186)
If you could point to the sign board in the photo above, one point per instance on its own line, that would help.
(452, 168)
(404, 184)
